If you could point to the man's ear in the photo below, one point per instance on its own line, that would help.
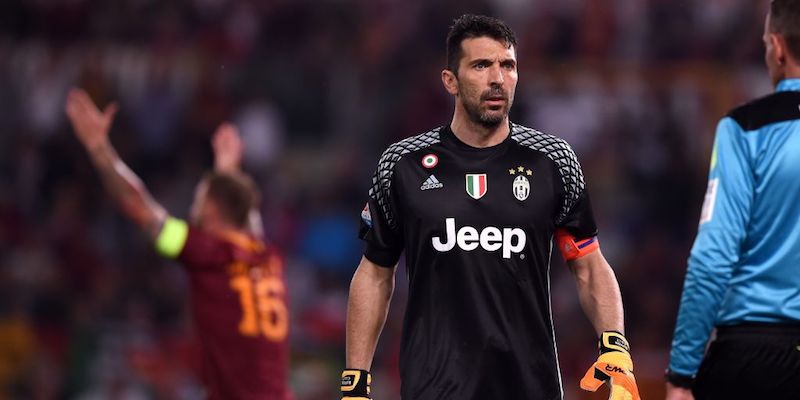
(779, 45)
(450, 82)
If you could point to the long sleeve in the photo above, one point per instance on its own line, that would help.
(717, 247)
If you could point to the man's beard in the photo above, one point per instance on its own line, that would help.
(487, 118)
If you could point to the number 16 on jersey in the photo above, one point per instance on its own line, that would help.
(264, 311)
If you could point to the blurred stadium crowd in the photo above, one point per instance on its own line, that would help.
(318, 89)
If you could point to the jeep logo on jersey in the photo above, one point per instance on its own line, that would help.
(510, 240)
(477, 185)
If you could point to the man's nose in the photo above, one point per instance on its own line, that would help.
(496, 75)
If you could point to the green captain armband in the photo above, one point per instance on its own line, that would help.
(172, 237)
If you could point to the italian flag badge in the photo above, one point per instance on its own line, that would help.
(477, 184)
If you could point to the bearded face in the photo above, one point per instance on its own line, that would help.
(486, 80)
(488, 108)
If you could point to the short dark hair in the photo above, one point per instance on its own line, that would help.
(470, 26)
(235, 193)
(785, 20)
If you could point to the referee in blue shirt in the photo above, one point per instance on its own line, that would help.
(743, 277)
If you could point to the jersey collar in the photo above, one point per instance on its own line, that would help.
(447, 135)
(241, 240)
(788, 85)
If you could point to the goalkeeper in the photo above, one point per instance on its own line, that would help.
(743, 276)
(475, 205)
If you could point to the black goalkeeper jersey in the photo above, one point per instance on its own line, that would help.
(476, 225)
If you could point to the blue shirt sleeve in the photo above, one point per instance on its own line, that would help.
(716, 250)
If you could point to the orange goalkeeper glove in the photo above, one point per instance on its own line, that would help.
(613, 366)
(355, 384)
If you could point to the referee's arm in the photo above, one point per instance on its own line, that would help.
(370, 293)
(598, 292)
(716, 250)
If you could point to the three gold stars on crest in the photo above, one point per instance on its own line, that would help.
(512, 171)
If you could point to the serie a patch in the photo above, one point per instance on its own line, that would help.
(366, 216)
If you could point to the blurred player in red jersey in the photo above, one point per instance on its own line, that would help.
(237, 287)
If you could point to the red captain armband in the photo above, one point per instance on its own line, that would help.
(572, 249)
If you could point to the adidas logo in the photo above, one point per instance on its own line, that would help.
(431, 183)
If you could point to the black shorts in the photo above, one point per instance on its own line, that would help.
(751, 362)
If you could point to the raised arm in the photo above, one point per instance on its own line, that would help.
(228, 148)
(91, 127)
(227, 145)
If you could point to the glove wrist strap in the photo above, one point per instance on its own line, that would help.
(613, 341)
(356, 383)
